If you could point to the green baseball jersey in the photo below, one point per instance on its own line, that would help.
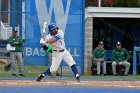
(120, 55)
(99, 53)
(18, 47)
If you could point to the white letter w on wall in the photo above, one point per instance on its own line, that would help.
(45, 13)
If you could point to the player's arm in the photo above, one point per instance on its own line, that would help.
(54, 39)
(11, 42)
(95, 55)
(127, 57)
(3, 61)
(47, 48)
(104, 55)
(20, 41)
(114, 58)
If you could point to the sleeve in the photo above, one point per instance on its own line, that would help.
(95, 55)
(127, 55)
(114, 56)
(57, 37)
(60, 35)
(104, 56)
(11, 42)
(46, 38)
(20, 41)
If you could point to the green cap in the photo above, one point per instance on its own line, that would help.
(118, 43)
(101, 43)
(15, 30)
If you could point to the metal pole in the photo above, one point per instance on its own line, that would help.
(0, 15)
(83, 31)
(13, 13)
(134, 63)
(20, 18)
(99, 3)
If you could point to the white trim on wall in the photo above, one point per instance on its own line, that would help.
(114, 12)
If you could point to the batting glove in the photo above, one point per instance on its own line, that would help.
(42, 41)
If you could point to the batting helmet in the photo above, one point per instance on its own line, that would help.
(52, 27)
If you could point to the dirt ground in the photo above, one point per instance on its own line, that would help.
(99, 84)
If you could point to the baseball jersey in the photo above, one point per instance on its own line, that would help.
(18, 39)
(120, 55)
(99, 53)
(59, 44)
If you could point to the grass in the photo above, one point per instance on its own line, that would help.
(34, 71)
(29, 72)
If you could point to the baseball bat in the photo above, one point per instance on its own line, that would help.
(44, 29)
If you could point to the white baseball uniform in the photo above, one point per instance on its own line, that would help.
(59, 51)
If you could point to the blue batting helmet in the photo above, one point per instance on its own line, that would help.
(52, 27)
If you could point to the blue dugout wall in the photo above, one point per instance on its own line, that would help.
(67, 14)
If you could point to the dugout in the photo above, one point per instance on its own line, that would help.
(110, 24)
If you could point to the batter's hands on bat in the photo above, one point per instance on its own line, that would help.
(42, 41)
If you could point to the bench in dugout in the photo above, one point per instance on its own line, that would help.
(120, 69)
(108, 67)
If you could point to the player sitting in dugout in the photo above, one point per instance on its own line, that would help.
(120, 56)
(99, 55)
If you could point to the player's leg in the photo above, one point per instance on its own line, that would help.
(56, 60)
(127, 67)
(114, 64)
(20, 63)
(98, 68)
(69, 60)
(13, 59)
(50, 62)
(104, 67)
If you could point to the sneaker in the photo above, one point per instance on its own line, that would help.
(57, 74)
(14, 75)
(125, 74)
(40, 77)
(21, 74)
(77, 78)
(98, 75)
(114, 74)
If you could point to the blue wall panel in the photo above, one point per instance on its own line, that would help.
(67, 14)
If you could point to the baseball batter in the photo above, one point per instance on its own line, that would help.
(56, 39)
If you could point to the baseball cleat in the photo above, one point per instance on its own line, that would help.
(57, 74)
(77, 78)
(40, 77)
